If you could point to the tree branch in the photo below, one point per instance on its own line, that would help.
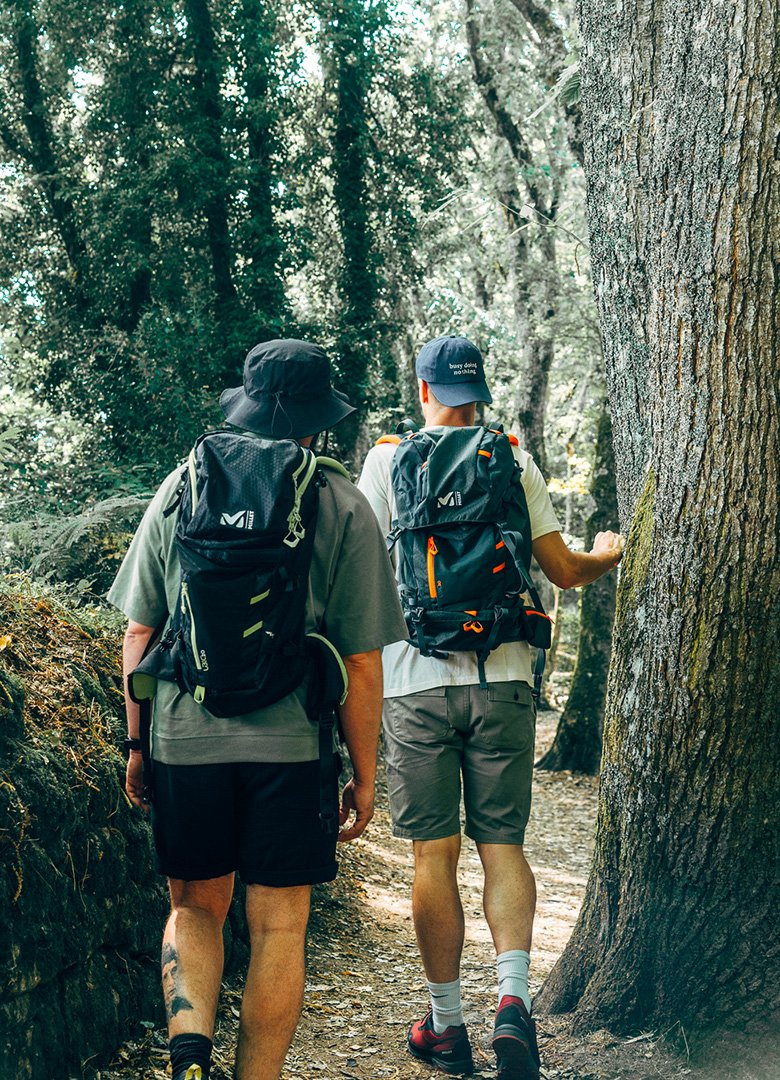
(41, 155)
(545, 28)
(507, 128)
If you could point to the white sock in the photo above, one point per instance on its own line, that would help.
(446, 1004)
(513, 975)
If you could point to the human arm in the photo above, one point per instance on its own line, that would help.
(375, 484)
(569, 569)
(361, 717)
(136, 640)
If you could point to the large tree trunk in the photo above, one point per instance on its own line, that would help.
(348, 65)
(577, 743)
(679, 924)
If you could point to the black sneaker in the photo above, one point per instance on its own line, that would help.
(450, 1051)
(514, 1041)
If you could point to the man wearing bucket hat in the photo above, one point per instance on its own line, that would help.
(446, 724)
(241, 792)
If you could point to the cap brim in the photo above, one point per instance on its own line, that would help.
(287, 418)
(461, 393)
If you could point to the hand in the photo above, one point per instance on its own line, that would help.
(609, 543)
(134, 781)
(360, 799)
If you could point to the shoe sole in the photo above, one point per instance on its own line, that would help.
(514, 1055)
(453, 1068)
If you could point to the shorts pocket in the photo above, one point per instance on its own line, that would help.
(418, 718)
(509, 720)
(517, 692)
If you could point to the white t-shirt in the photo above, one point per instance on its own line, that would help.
(406, 670)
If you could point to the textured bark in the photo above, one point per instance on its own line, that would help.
(577, 743)
(679, 923)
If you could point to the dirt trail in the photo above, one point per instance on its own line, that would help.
(364, 979)
(365, 982)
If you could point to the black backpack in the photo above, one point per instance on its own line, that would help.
(247, 514)
(464, 544)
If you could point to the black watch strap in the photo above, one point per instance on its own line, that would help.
(131, 744)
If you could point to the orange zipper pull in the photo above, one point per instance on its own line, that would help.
(432, 550)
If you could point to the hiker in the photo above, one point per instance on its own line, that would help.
(235, 785)
(458, 693)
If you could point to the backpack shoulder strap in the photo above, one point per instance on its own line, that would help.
(333, 465)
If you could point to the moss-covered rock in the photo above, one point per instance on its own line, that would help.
(83, 906)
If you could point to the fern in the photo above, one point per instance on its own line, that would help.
(567, 88)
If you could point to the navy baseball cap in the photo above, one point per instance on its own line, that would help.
(452, 367)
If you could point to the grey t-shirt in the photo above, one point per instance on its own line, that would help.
(352, 601)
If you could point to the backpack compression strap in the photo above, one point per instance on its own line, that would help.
(328, 686)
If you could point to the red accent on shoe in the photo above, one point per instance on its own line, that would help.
(514, 1041)
(450, 1051)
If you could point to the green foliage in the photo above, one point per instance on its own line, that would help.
(80, 550)
(198, 176)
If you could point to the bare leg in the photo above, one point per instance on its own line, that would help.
(192, 954)
(274, 986)
(436, 907)
(510, 895)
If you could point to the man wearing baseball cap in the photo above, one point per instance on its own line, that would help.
(442, 730)
(243, 793)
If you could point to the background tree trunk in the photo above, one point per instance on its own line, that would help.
(348, 67)
(534, 284)
(577, 743)
(207, 132)
(679, 924)
(262, 242)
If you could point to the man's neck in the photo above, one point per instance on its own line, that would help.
(449, 417)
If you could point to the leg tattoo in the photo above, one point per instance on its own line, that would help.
(175, 1001)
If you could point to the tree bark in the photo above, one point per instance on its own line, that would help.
(679, 924)
(577, 743)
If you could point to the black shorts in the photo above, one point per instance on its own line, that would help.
(261, 819)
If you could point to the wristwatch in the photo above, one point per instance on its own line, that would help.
(131, 744)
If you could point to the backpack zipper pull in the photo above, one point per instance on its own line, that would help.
(432, 550)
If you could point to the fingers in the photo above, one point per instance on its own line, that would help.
(359, 800)
(609, 543)
(134, 784)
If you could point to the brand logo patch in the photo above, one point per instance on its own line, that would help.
(452, 498)
(244, 519)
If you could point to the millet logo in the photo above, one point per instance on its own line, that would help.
(244, 519)
(452, 498)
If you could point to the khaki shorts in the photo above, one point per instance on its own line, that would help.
(435, 737)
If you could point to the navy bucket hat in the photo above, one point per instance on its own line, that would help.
(452, 366)
(286, 391)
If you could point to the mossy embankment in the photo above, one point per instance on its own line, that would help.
(82, 904)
